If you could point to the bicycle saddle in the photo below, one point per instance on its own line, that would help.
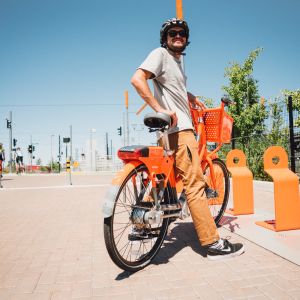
(226, 100)
(157, 120)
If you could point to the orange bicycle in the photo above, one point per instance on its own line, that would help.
(146, 195)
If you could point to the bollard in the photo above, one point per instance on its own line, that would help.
(68, 169)
(242, 183)
(286, 191)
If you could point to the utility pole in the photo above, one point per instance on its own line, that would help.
(51, 166)
(93, 130)
(127, 117)
(124, 132)
(31, 154)
(71, 141)
(9, 127)
(111, 150)
(179, 12)
(107, 150)
(59, 153)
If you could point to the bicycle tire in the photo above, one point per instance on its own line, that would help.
(114, 251)
(217, 205)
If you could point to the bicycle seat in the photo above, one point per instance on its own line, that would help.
(157, 120)
(226, 100)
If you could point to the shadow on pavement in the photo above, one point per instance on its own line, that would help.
(228, 220)
(182, 235)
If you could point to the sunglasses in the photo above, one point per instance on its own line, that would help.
(174, 33)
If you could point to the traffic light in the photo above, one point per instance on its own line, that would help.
(120, 131)
(8, 124)
(30, 149)
(33, 148)
(14, 142)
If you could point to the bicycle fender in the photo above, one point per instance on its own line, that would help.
(112, 193)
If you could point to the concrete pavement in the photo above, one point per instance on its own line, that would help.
(52, 247)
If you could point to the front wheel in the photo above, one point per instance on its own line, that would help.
(130, 242)
(218, 195)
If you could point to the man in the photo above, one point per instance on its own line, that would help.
(19, 159)
(164, 66)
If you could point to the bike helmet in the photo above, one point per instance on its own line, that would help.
(173, 23)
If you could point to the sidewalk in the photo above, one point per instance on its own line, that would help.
(284, 243)
(52, 247)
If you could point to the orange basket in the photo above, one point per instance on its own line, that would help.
(218, 124)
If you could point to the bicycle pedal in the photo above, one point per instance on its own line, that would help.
(137, 237)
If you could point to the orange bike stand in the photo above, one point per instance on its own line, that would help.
(286, 191)
(242, 183)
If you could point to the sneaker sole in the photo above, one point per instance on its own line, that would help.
(226, 256)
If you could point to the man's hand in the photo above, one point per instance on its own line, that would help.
(172, 115)
(195, 102)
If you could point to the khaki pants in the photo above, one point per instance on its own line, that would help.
(187, 166)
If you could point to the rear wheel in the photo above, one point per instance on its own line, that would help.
(218, 196)
(131, 243)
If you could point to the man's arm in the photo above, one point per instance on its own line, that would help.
(191, 97)
(140, 81)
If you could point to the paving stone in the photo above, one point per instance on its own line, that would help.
(52, 247)
(295, 294)
(274, 292)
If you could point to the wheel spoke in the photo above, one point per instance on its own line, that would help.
(135, 194)
(217, 205)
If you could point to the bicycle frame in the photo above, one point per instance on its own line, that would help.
(160, 163)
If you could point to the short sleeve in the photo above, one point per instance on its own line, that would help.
(154, 62)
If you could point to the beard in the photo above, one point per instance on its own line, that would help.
(177, 49)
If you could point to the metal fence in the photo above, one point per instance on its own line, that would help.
(257, 144)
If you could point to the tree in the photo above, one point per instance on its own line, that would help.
(209, 102)
(296, 101)
(248, 112)
(278, 134)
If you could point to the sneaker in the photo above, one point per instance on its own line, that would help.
(224, 249)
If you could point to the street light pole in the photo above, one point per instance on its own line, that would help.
(51, 166)
(10, 142)
(179, 12)
(91, 147)
(127, 117)
(31, 154)
(71, 145)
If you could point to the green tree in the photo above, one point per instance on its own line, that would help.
(248, 112)
(55, 166)
(209, 102)
(278, 134)
(296, 101)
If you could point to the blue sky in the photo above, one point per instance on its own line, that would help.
(68, 62)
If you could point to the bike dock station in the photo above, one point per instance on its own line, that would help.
(286, 191)
(242, 183)
(280, 197)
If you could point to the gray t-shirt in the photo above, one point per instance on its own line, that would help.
(169, 85)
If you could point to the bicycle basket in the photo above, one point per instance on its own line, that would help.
(218, 126)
